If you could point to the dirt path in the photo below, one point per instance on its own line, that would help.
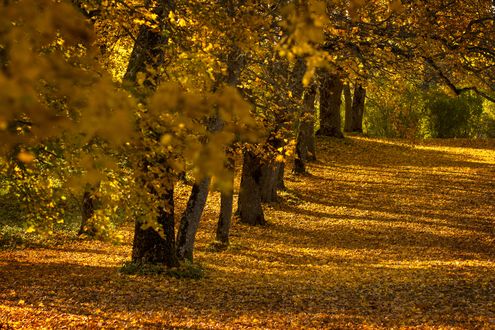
(381, 234)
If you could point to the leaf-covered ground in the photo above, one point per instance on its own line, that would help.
(382, 234)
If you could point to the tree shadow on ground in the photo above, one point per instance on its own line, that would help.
(417, 189)
(358, 151)
(391, 296)
(374, 200)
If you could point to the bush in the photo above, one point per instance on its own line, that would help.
(453, 116)
(15, 237)
(393, 113)
(187, 269)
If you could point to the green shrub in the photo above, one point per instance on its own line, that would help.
(393, 111)
(187, 269)
(453, 116)
(15, 237)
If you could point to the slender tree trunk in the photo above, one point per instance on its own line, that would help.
(4, 60)
(358, 109)
(190, 219)
(348, 108)
(330, 100)
(249, 208)
(305, 145)
(88, 210)
(235, 63)
(226, 205)
(300, 159)
(280, 177)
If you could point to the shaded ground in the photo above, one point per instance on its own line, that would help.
(381, 234)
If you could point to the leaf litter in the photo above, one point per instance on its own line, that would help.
(381, 234)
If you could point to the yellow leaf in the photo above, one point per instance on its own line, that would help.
(25, 157)
(166, 139)
(140, 78)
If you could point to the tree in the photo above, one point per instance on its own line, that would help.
(155, 242)
(357, 110)
(249, 207)
(331, 87)
(347, 108)
(305, 147)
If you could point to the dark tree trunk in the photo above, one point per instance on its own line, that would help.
(268, 182)
(348, 108)
(147, 51)
(157, 245)
(226, 205)
(249, 206)
(330, 100)
(300, 159)
(225, 217)
(153, 245)
(88, 210)
(189, 221)
(4, 60)
(280, 177)
(305, 146)
(358, 109)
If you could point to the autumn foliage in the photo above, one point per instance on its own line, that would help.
(209, 164)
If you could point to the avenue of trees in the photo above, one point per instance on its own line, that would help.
(106, 105)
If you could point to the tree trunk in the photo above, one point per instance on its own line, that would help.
(280, 177)
(348, 108)
(226, 205)
(305, 146)
(149, 246)
(330, 100)
(225, 217)
(88, 210)
(189, 221)
(268, 182)
(249, 206)
(358, 109)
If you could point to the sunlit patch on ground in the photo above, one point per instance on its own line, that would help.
(381, 234)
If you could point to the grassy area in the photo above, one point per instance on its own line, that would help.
(381, 234)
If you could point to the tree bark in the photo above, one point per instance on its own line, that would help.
(190, 219)
(305, 145)
(358, 109)
(280, 177)
(226, 206)
(268, 182)
(88, 210)
(348, 108)
(249, 206)
(330, 100)
(150, 246)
